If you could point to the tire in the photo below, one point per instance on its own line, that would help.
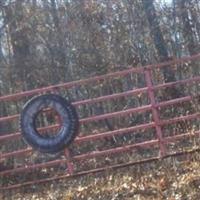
(67, 132)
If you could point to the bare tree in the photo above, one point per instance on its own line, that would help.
(188, 26)
(158, 37)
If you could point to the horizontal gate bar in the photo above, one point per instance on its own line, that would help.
(87, 138)
(117, 95)
(110, 133)
(69, 84)
(184, 81)
(99, 153)
(161, 104)
(98, 170)
(17, 135)
(170, 139)
(77, 174)
(31, 167)
(97, 78)
(89, 101)
(114, 133)
(173, 101)
(80, 157)
(114, 114)
(108, 97)
(177, 119)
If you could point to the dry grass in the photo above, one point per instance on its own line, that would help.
(171, 179)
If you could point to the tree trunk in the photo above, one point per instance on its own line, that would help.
(61, 48)
(3, 125)
(158, 38)
(20, 45)
(188, 27)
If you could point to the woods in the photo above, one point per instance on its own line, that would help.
(51, 42)
(47, 42)
(44, 43)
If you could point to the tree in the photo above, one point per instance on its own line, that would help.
(185, 9)
(21, 48)
(158, 39)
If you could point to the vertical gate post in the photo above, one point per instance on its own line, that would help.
(155, 113)
(70, 165)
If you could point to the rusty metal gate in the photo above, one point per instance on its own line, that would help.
(97, 148)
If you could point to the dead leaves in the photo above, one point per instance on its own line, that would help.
(162, 182)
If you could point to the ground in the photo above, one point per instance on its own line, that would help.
(170, 179)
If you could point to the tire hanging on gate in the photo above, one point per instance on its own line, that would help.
(68, 130)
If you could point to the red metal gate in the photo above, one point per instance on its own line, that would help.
(82, 158)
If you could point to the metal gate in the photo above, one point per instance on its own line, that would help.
(148, 139)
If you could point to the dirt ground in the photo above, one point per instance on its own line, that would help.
(171, 179)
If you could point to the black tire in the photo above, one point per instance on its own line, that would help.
(67, 132)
